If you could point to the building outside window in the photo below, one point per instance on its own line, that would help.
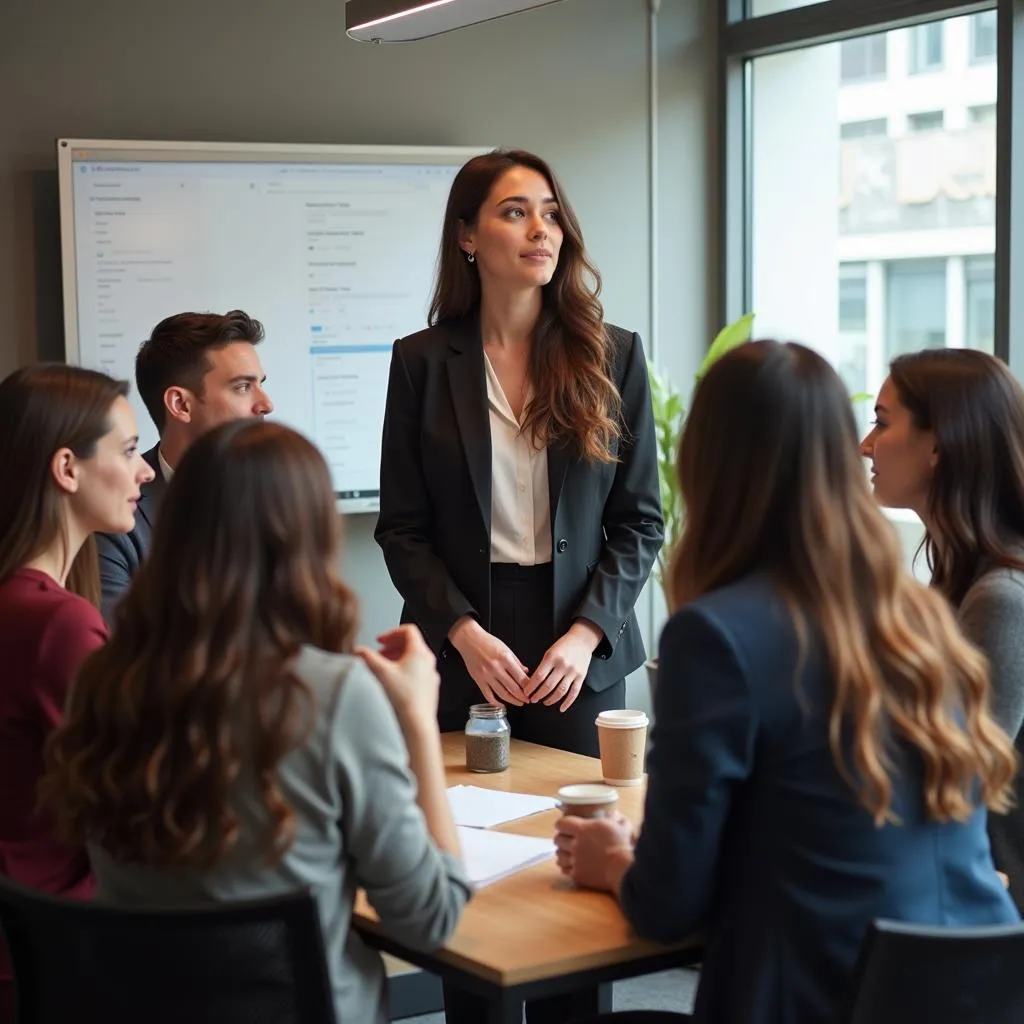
(983, 37)
(894, 253)
(926, 46)
(926, 121)
(863, 59)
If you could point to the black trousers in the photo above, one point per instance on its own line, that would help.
(522, 616)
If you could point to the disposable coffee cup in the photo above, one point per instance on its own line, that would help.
(622, 739)
(588, 800)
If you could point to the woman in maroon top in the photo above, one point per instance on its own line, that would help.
(69, 467)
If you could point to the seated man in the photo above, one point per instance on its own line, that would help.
(196, 371)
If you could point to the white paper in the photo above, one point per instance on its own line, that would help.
(485, 808)
(490, 856)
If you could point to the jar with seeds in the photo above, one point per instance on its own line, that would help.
(487, 738)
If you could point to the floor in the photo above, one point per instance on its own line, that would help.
(669, 990)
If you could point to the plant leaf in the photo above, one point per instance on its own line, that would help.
(729, 337)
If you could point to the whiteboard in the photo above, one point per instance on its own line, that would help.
(332, 248)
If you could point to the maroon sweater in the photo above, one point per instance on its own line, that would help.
(45, 634)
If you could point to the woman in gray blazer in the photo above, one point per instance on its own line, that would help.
(263, 755)
(948, 443)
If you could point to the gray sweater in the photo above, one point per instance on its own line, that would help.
(358, 826)
(992, 617)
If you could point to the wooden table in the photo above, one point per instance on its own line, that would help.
(533, 934)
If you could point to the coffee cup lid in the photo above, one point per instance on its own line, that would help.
(587, 793)
(621, 719)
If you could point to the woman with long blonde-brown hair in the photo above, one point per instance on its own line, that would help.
(227, 744)
(823, 751)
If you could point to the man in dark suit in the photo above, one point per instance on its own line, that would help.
(196, 371)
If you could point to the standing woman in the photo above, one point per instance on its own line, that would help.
(520, 512)
(70, 467)
(948, 442)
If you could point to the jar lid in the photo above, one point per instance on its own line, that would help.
(487, 711)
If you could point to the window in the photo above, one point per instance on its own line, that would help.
(853, 297)
(983, 37)
(878, 126)
(916, 301)
(863, 59)
(927, 121)
(980, 302)
(985, 114)
(926, 47)
(872, 220)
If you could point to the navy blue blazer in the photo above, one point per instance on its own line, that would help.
(751, 833)
(121, 553)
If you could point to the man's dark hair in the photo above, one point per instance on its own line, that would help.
(175, 354)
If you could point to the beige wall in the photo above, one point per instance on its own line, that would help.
(569, 81)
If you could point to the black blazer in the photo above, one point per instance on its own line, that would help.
(435, 501)
(122, 553)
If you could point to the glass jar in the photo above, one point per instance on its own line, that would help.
(487, 738)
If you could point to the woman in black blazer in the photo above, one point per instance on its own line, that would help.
(520, 511)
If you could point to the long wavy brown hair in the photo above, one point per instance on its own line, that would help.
(975, 408)
(772, 480)
(45, 408)
(574, 396)
(194, 688)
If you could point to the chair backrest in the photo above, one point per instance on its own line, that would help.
(258, 962)
(911, 974)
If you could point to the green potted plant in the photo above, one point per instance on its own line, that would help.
(669, 417)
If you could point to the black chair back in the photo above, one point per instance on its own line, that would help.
(258, 962)
(911, 974)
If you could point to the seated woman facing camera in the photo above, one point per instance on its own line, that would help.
(69, 466)
(263, 757)
(948, 442)
(822, 751)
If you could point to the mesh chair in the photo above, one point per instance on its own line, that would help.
(256, 962)
(909, 974)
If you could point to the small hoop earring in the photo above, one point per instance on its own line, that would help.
(471, 257)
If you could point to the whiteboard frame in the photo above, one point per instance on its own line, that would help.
(70, 149)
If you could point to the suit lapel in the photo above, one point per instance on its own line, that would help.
(153, 491)
(469, 396)
(560, 454)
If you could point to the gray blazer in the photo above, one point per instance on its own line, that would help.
(992, 617)
(358, 826)
(121, 554)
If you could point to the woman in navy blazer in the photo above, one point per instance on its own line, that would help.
(523, 585)
(823, 752)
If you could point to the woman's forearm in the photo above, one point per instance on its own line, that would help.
(426, 759)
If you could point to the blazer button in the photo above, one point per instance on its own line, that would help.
(563, 544)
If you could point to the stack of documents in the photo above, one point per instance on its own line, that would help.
(493, 855)
(485, 808)
(490, 856)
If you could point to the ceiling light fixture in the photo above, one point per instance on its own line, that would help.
(401, 21)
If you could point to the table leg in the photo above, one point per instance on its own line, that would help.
(504, 1008)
